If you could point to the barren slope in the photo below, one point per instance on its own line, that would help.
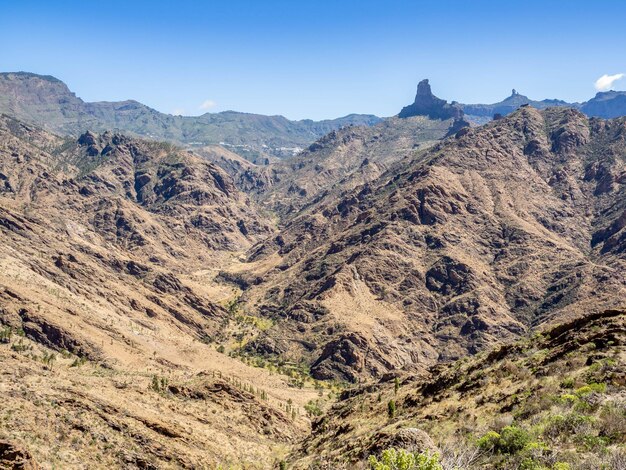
(470, 243)
(109, 250)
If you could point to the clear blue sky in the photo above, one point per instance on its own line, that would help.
(315, 59)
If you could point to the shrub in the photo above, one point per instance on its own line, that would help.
(489, 441)
(48, 359)
(590, 388)
(513, 439)
(592, 442)
(20, 346)
(613, 422)
(568, 399)
(312, 409)
(391, 408)
(561, 466)
(392, 459)
(572, 423)
(79, 361)
(5, 335)
(159, 384)
(567, 383)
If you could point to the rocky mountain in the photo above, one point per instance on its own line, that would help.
(110, 318)
(484, 112)
(427, 104)
(345, 159)
(168, 308)
(340, 161)
(608, 104)
(48, 103)
(474, 241)
(554, 400)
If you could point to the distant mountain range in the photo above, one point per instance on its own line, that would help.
(606, 105)
(47, 102)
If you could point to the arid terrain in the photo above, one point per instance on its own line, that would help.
(164, 306)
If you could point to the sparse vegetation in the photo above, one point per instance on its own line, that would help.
(48, 359)
(400, 459)
(5, 334)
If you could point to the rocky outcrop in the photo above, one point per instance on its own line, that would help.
(427, 104)
(16, 457)
(410, 439)
(439, 257)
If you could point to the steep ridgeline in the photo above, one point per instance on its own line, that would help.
(608, 104)
(48, 103)
(481, 113)
(108, 210)
(495, 230)
(344, 160)
(341, 160)
(555, 400)
(108, 312)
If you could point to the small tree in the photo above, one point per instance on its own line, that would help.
(391, 409)
(48, 359)
(396, 386)
(5, 335)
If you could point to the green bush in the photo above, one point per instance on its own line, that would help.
(511, 440)
(591, 442)
(312, 408)
(566, 425)
(392, 459)
(489, 441)
(391, 409)
(591, 388)
(561, 466)
(5, 335)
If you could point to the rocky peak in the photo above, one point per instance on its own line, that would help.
(427, 104)
(423, 89)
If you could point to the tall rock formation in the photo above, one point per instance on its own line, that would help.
(427, 104)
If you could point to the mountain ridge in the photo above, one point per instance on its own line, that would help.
(48, 102)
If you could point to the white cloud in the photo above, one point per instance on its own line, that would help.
(178, 112)
(208, 104)
(605, 82)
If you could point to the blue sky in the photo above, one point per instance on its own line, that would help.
(316, 59)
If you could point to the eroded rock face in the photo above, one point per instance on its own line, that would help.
(410, 439)
(15, 457)
(505, 227)
(346, 354)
